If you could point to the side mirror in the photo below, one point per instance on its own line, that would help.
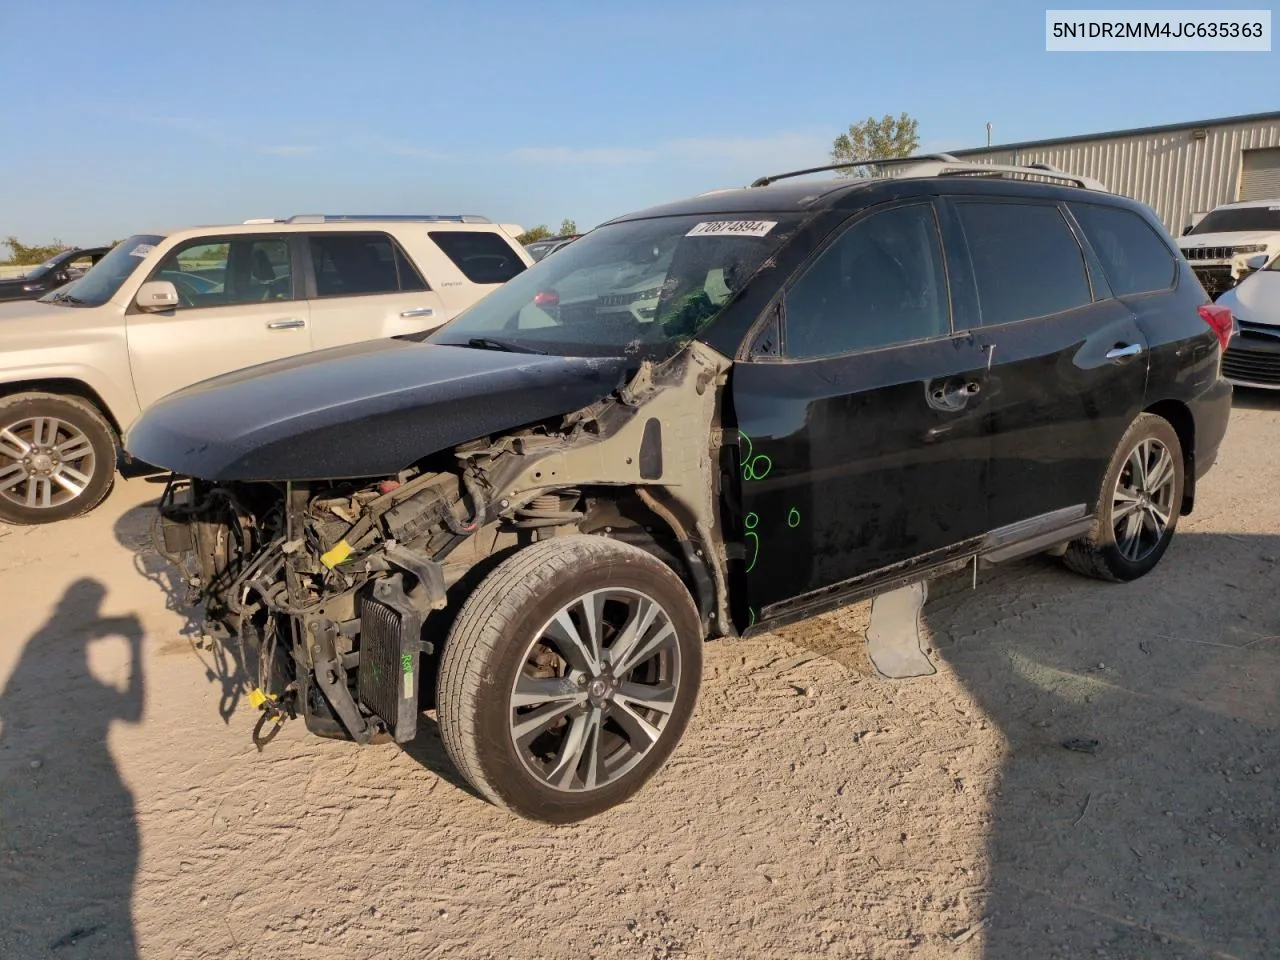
(1257, 261)
(157, 295)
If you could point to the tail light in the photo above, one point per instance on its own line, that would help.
(546, 298)
(1220, 321)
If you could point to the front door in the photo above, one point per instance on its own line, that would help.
(237, 307)
(866, 444)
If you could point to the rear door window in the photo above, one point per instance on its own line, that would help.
(361, 264)
(1026, 261)
(881, 282)
(483, 257)
(1134, 257)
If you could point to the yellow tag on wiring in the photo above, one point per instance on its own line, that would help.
(258, 698)
(336, 554)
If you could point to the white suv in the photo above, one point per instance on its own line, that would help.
(160, 312)
(1231, 241)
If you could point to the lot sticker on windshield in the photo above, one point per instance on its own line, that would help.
(142, 249)
(732, 228)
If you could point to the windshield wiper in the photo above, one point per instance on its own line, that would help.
(491, 343)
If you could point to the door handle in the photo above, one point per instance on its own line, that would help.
(419, 312)
(293, 324)
(1123, 353)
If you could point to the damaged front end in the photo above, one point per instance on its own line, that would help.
(345, 590)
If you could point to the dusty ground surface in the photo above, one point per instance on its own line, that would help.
(811, 810)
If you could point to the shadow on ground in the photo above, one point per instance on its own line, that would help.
(223, 662)
(1161, 841)
(68, 833)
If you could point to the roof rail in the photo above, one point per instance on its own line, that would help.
(358, 217)
(944, 164)
(883, 161)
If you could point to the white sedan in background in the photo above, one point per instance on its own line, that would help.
(1253, 358)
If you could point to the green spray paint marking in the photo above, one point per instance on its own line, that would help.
(755, 466)
(406, 667)
(751, 521)
(793, 518)
(752, 622)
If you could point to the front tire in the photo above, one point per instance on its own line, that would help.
(57, 458)
(1137, 511)
(569, 676)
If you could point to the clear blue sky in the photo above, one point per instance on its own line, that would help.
(119, 117)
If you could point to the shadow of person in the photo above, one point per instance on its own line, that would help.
(222, 660)
(68, 833)
(1137, 809)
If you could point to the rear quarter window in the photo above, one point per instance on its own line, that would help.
(482, 257)
(1133, 255)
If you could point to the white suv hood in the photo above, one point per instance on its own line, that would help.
(1228, 239)
(30, 309)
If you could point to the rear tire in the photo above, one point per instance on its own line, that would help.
(1137, 510)
(548, 704)
(57, 458)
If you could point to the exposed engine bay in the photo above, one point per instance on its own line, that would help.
(338, 594)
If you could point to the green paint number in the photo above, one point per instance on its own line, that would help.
(751, 521)
(755, 466)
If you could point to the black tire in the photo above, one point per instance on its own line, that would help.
(1108, 556)
(501, 624)
(98, 464)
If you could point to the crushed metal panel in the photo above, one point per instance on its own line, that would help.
(685, 408)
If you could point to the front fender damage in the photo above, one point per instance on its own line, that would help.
(340, 584)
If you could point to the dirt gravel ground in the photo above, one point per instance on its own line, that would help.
(811, 811)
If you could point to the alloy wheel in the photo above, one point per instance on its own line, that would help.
(45, 462)
(1142, 505)
(596, 688)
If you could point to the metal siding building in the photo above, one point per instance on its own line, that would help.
(1182, 171)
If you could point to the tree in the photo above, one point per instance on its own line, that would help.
(25, 255)
(567, 227)
(540, 232)
(872, 139)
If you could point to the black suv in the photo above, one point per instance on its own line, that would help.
(702, 420)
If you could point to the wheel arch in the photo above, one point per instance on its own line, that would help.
(64, 386)
(1180, 417)
(657, 524)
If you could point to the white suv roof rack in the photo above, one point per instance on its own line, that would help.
(944, 164)
(371, 217)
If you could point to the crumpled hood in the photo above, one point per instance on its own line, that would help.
(365, 410)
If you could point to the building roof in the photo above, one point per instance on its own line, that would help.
(1114, 134)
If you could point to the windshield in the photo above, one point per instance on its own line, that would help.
(642, 288)
(101, 282)
(1239, 220)
(35, 273)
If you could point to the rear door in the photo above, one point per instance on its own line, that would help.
(865, 445)
(1068, 361)
(362, 286)
(239, 305)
